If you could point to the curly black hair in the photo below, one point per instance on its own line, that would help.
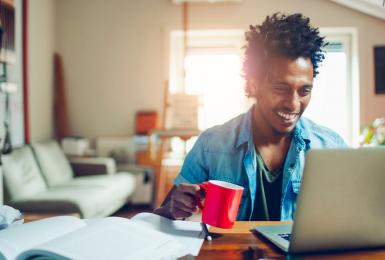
(291, 36)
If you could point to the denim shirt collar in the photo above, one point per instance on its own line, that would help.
(245, 129)
(300, 142)
(300, 135)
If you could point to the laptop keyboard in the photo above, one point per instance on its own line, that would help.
(285, 236)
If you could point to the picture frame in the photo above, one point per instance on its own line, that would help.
(379, 69)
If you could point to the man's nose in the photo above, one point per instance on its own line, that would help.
(293, 102)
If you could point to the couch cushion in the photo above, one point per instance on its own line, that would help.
(22, 175)
(91, 196)
(64, 200)
(53, 163)
(121, 183)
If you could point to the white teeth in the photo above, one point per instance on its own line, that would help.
(288, 116)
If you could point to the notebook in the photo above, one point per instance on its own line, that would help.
(145, 236)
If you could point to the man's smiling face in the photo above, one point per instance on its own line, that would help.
(284, 94)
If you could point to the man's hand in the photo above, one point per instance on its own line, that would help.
(180, 201)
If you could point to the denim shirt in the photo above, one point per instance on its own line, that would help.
(227, 153)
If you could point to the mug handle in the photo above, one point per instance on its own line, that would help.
(203, 186)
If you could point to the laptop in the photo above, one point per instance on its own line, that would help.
(341, 204)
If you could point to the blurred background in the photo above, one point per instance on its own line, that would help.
(118, 56)
(138, 80)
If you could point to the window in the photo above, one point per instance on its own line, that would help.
(212, 65)
(334, 101)
(216, 77)
(213, 70)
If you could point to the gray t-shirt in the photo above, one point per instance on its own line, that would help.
(267, 204)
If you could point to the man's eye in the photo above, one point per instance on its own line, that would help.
(305, 91)
(280, 89)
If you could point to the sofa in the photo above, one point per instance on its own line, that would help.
(38, 178)
(124, 150)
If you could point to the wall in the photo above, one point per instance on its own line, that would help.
(115, 52)
(41, 44)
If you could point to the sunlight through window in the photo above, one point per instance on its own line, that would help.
(329, 95)
(217, 79)
(334, 97)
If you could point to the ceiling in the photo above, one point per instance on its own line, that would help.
(205, 1)
(374, 8)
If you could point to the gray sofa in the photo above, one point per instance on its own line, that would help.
(39, 179)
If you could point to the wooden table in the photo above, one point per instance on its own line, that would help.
(29, 217)
(235, 244)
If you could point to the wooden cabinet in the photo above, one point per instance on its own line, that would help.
(164, 175)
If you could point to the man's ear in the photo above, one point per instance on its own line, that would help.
(253, 87)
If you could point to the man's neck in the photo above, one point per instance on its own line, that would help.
(272, 146)
(264, 134)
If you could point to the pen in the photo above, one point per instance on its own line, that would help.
(206, 231)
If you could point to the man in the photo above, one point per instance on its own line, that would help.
(264, 149)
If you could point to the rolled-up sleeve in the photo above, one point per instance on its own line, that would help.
(195, 168)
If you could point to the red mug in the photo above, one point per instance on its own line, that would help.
(221, 203)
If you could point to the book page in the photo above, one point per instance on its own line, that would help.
(110, 238)
(14, 240)
(188, 233)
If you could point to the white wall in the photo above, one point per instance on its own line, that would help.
(115, 52)
(41, 20)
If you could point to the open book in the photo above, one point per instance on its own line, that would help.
(145, 236)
